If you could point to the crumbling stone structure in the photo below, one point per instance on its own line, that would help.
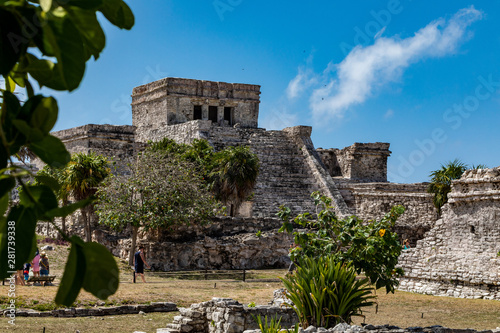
(222, 315)
(173, 101)
(114, 142)
(459, 256)
(226, 114)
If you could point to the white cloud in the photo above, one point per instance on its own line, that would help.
(389, 114)
(279, 118)
(304, 79)
(365, 68)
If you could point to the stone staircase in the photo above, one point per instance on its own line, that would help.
(284, 179)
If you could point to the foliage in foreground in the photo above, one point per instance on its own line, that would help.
(325, 292)
(371, 247)
(48, 41)
(163, 190)
(441, 179)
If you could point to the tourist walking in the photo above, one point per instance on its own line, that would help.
(139, 262)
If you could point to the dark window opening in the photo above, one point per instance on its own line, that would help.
(197, 112)
(212, 113)
(227, 115)
(472, 229)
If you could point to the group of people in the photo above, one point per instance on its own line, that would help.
(39, 266)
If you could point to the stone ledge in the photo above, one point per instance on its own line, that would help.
(101, 311)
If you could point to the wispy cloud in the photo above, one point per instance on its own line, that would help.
(389, 114)
(304, 79)
(365, 68)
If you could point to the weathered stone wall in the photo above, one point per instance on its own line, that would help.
(229, 243)
(225, 315)
(362, 162)
(372, 200)
(98, 311)
(117, 143)
(172, 101)
(459, 255)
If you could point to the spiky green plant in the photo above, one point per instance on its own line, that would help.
(325, 293)
(273, 326)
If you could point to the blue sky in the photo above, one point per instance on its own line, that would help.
(421, 75)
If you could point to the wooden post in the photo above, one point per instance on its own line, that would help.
(206, 274)
(133, 272)
(244, 273)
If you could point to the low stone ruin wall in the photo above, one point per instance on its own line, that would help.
(100, 311)
(225, 315)
(372, 200)
(459, 256)
(345, 328)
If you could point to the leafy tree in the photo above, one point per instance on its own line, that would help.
(163, 190)
(441, 179)
(372, 248)
(231, 173)
(80, 179)
(47, 41)
(234, 175)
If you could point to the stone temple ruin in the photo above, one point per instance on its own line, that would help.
(454, 255)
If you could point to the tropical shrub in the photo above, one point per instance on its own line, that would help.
(371, 247)
(326, 292)
(441, 179)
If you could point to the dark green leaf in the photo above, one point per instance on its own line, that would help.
(39, 197)
(51, 151)
(41, 70)
(64, 40)
(7, 183)
(74, 273)
(85, 4)
(32, 134)
(90, 29)
(118, 13)
(49, 181)
(44, 116)
(12, 41)
(22, 223)
(68, 209)
(4, 202)
(101, 276)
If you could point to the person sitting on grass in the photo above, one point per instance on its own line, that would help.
(139, 262)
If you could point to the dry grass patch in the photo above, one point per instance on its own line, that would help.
(400, 309)
(126, 323)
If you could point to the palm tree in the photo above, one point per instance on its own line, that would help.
(82, 175)
(234, 175)
(441, 179)
(62, 194)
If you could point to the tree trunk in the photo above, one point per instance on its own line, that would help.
(132, 246)
(86, 224)
(63, 226)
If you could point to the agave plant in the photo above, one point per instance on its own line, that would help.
(325, 293)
